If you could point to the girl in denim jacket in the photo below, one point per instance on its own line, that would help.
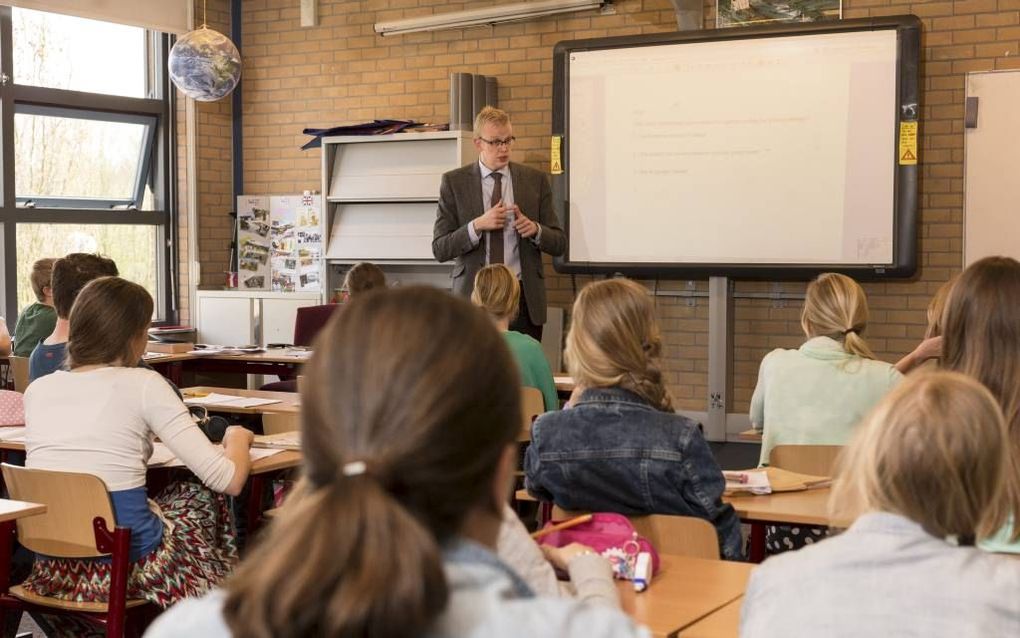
(622, 448)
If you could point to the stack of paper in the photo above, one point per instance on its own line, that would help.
(755, 482)
(281, 441)
(767, 480)
(228, 400)
(15, 434)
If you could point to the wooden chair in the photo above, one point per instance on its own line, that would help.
(668, 534)
(275, 423)
(77, 524)
(532, 405)
(19, 368)
(817, 460)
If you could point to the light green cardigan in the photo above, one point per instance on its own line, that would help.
(816, 395)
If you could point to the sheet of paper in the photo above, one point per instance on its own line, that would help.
(212, 398)
(163, 457)
(756, 482)
(283, 441)
(15, 434)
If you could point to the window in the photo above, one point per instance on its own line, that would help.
(92, 141)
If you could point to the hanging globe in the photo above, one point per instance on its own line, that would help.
(204, 64)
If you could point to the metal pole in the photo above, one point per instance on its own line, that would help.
(720, 354)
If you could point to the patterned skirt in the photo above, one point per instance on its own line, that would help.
(786, 538)
(198, 551)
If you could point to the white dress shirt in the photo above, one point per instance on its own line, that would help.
(511, 252)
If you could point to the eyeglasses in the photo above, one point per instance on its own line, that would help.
(508, 142)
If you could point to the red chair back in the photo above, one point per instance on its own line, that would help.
(310, 320)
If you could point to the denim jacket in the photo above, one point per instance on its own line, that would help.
(614, 452)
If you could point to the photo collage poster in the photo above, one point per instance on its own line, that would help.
(253, 243)
(296, 242)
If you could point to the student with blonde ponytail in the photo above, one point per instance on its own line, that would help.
(622, 448)
(923, 477)
(817, 394)
(409, 448)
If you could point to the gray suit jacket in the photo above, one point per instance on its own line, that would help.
(460, 201)
(885, 576)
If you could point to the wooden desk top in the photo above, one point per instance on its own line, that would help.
(809, 507)
(270, 356)
(564, 382)
(289, 402)
(751, 436)
(283, 461)
(721, 623)
(13, 510)
(687, 590)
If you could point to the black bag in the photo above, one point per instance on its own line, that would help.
(214, 427)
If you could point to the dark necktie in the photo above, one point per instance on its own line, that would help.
(496, 236)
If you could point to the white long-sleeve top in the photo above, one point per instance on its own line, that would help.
(103, 422)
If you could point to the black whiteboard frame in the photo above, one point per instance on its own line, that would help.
(905, 221)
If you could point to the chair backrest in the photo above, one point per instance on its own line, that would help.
(679, 535)
(310, 320)
(276, 423)
(817, 460)
(19, 368)
(72, 501)
(671, 535)
(532, 405)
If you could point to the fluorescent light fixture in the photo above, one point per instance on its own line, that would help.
(487, 16)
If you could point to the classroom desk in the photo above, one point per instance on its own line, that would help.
(13, 510)
(564, 385)
(289, 402)
(721, 623)
(808, 507)
(750, 436)
(687, 590)
(271, 362)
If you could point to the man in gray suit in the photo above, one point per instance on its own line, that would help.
(496, 211)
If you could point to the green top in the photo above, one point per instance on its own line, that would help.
(35, 323)
(816, 395)
(534, 367)
(1000, 543)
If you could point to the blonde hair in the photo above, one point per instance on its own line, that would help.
(497, 291)
(835, 306)
(936, 308)
(364, 276)
(934, 451)
(490, 115)
(981, 338)
(614, 341)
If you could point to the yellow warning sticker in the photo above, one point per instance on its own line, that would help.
(555, 161)
(908, 143)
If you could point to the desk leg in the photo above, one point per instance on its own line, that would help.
(256, 487)
(757, 554)
(175, 372)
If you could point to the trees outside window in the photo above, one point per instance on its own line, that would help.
(85, 133)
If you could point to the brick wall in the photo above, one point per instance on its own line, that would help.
(341, 72)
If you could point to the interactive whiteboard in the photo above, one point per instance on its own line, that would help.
(744, 152)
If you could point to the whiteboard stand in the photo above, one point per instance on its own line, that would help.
(720, 354)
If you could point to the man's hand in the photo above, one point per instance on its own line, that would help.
(492, 219)
(525, 227)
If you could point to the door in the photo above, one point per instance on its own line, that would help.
(992, 165)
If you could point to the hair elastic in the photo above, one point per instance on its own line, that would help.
(355, 468)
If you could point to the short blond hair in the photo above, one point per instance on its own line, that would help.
(490, 115)
(935, 451)
(835, 306)
(614, 341)
(497, 291)
(42, 274)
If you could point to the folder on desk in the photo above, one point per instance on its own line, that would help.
(766, 480)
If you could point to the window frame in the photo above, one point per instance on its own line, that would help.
(157, 167)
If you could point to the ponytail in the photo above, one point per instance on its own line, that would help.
(855, 344)
(370, 566)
